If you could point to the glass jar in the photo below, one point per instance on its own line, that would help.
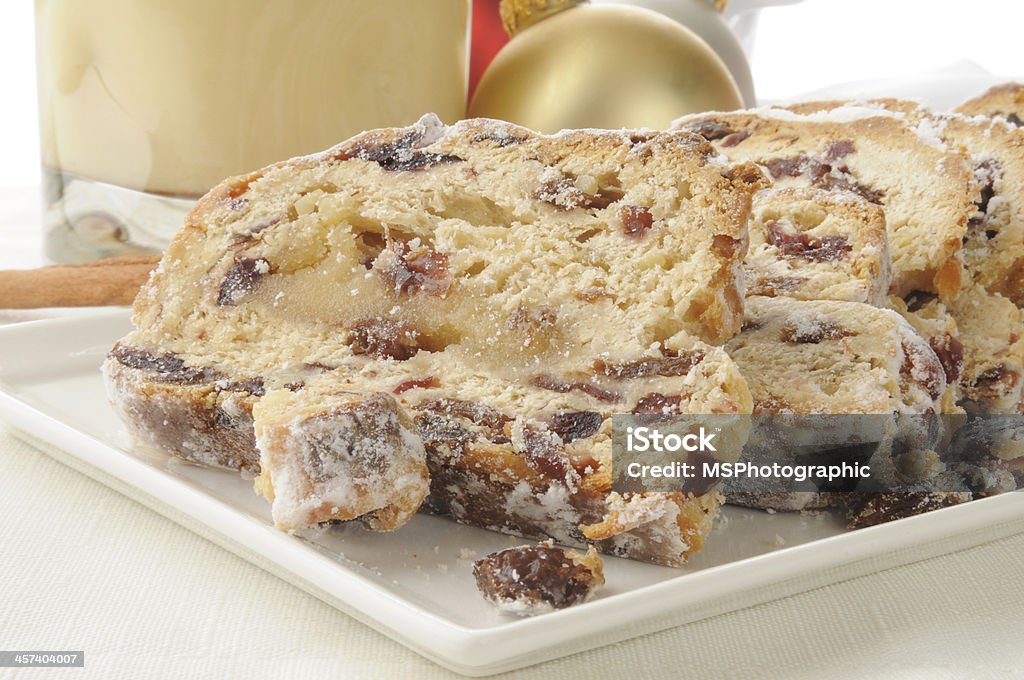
(145, 105)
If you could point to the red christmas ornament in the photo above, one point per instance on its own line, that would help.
(488, 37)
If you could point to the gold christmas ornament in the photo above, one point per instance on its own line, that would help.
(570, 64)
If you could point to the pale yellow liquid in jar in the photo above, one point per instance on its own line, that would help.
(170, 97)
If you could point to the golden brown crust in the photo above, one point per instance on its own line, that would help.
(1004, 101)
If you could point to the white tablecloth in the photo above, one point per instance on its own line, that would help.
(82, 567)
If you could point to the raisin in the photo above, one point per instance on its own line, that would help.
(635, 220)
(657, 403)
(844, 182)
(994, 383)
(885, 507)
(532, 319)
(921, 370)
(669, 366)
(427, 382)
(813, 332)
(400, 155)
(735, 138)
(544, 452)
(986, 174)
(605, 197)
(838, 150)
(384, 339)
(534, 578)
(423, 271)
(169, 367)
(573, 425)
(474, 412)
(501, 138)
(918, 299)
(821, 174)
(950, 352)
(772, 286)
(561, 193)
(437, 431)
(788, 167)
(242, 278)
(253, 386)
(549, 382)
(710, 130)
(1014, 119)
(802, 246)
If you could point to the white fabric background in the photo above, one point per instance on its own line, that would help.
(82, 567)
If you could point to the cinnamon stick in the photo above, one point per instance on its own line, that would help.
(113, 281)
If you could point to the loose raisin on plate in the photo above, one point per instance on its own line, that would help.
(528, 580)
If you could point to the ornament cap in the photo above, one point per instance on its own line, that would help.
(518, 14)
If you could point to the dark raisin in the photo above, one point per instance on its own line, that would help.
(437, 431)
(538, 577)
(168, 367)
(401, 154)
(544, 452)
(710, 130)
(413, 383)
(657, 403)
(805, 247)
(253, 386)
(919, 368)
(384, 339)
(845, 182)
(669, 366)
(474, 412)
(813, 332)
(605, 197)
(546, 381)
(1014, 119)
(879, 508)
(986, 174)
(918, 299)
(950, 352)
(573, 425)
(532, 319)
(772, 286)
(561, 193)
(838, 150)
(786, 167)
(423, 271)
(735, 138)
(994, 383)
(635, 220)
(500, 138)
(242, 278)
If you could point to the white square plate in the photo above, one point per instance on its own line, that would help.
(416, 585)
